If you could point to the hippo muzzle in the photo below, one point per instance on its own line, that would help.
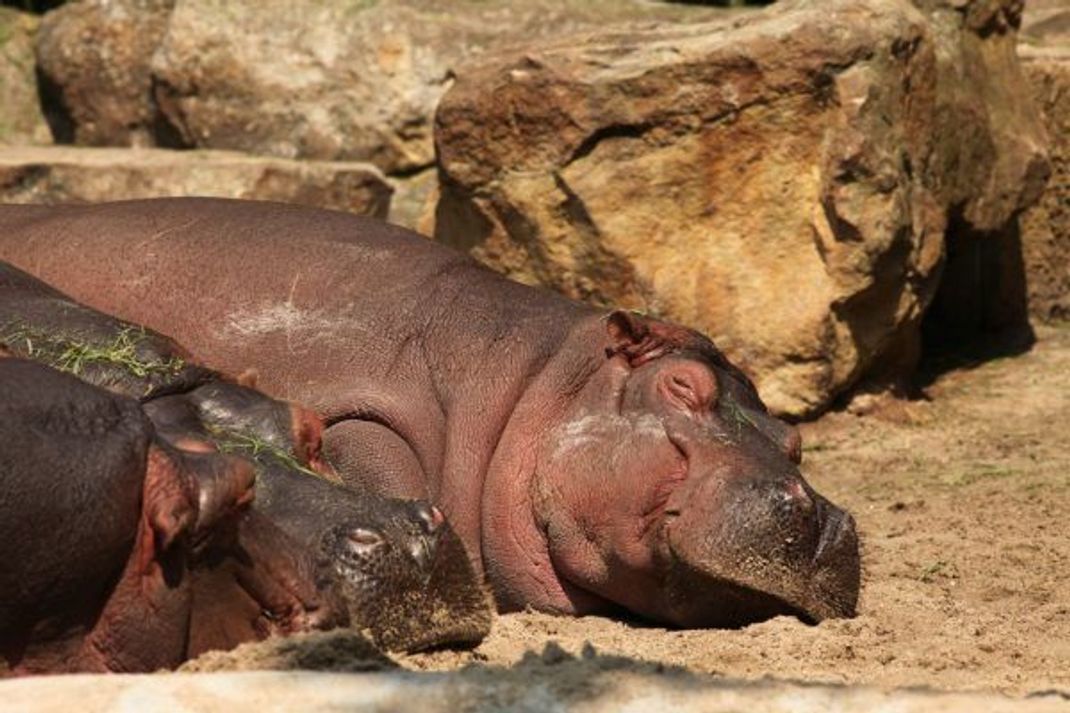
(759, 548)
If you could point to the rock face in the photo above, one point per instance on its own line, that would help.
(21, 119)
(349, 80)
(782, 181)
(66, 174)
(1046, 226)
(93, 58)
(991, 166)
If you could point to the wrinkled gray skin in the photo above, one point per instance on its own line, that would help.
(396, 566)
(590, 461)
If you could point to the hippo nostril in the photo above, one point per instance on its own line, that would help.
(362, 539)
(423, 551)
(431, 518)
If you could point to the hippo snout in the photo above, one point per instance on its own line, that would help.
(758, 546)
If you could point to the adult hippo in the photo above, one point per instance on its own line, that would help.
(591, 461)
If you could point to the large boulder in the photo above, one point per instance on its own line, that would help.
(21, 118)
(350, 80)
(782, 181)
(991, 165)
(93, 59)
(1045, 56)
(64, 174)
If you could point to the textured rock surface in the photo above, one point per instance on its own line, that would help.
(21, 119)
(781, 181)
(991, 165)
(991, 162)
(68, 174)
(586, 686)
(357, 79)
(1046, 226)
(761, 181)
(93, 57)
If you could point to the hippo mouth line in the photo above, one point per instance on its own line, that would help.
(282, 609)
(734, 605)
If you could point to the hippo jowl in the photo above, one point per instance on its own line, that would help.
(589, 460)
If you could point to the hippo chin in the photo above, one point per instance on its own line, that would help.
(590, 461)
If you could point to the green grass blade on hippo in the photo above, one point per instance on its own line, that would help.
(126, 361)
(40, 323)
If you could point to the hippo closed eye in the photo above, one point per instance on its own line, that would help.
(589, 461)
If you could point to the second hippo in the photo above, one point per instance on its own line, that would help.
(400, 571)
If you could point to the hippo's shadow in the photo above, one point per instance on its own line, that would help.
(339, 650)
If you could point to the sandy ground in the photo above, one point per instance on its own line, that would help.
(963, 502)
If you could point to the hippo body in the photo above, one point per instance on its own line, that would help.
(40, 323)
(591, 461)
(96, 521)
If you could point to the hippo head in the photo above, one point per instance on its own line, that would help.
(393, 568)
(667, 489)
(403, 573)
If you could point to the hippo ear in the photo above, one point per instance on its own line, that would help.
(248, 378)
(640, 339)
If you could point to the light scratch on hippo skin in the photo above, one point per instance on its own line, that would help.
(284, 317)
(165, 231)
(589, 428)
(290, 303)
